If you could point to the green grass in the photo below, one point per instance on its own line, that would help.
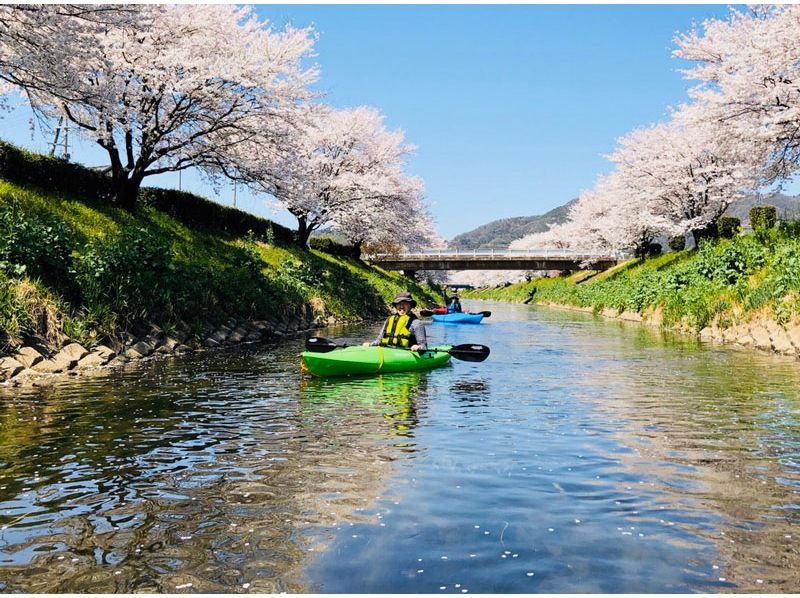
(726, 281)
(86, 269)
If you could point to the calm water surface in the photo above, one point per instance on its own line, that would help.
(583, 456)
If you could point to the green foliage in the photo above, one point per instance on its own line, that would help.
(185, 259)
(723, 279)
(677, 243)
(35, 245)
(789, 228)
(269, 235)
(649, 250)
(127, 274)
(728, 262)
(27, 307)
(12, 316)
(763, 218)
(353, 295)
(728, 227)
(332, 247)
(199, 212)
(782, 285)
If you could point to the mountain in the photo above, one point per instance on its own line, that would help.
(499, 233)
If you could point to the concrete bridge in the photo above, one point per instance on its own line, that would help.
(494, 259)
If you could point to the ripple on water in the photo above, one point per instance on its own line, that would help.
(582, 456)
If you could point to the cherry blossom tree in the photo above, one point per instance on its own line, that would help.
(159, 87)
(748, 71)
(606, 219)
(684, 172)
(399, 217)
(344, 165)
(610, 218)
(558, 236)
(486, 278)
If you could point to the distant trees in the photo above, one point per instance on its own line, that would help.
(167, 87)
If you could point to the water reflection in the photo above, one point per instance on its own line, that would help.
(471, 389)
(396, 397)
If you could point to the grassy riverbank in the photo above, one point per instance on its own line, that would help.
(724, 283)
(75, 266)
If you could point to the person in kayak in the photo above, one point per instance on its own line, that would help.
(403, 328)
(455, 304)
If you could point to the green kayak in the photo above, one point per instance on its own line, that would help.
(349, 361)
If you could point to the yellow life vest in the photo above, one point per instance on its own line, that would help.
(398, 331)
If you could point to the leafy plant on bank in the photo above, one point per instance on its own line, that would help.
(35, 245)
(126, 275)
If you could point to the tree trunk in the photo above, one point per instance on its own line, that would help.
(705, 233)
(303, 232)
(357, 249)
(126, 191)
(125, 182)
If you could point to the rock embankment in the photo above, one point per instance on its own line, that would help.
(36, 363)
(760, 332)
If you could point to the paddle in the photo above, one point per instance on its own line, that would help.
(466, 352)
(426, 313)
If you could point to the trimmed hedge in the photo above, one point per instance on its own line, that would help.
(649, 250)
(677, 243)
(763, 217)
(333, 247)
(52, 174)
(196, 211)
(728, 227)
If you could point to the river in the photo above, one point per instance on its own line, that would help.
(584, 455)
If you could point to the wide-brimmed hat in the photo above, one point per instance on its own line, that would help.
(404, 296)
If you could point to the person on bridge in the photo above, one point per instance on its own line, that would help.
(403, 328)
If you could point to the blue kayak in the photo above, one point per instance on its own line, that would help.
(458, 318)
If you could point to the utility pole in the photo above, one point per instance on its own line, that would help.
(234, 195)
(66, 140)
(179, 180)
(63, 125)
(54, 145)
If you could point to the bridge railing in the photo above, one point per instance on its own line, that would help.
(533, 253)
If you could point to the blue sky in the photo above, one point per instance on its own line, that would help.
(511, 106)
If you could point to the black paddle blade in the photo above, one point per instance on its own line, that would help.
(317, 344)
(470, 352)
(425, 313)
(485, 314)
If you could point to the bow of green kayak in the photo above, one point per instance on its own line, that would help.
(350, 361)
